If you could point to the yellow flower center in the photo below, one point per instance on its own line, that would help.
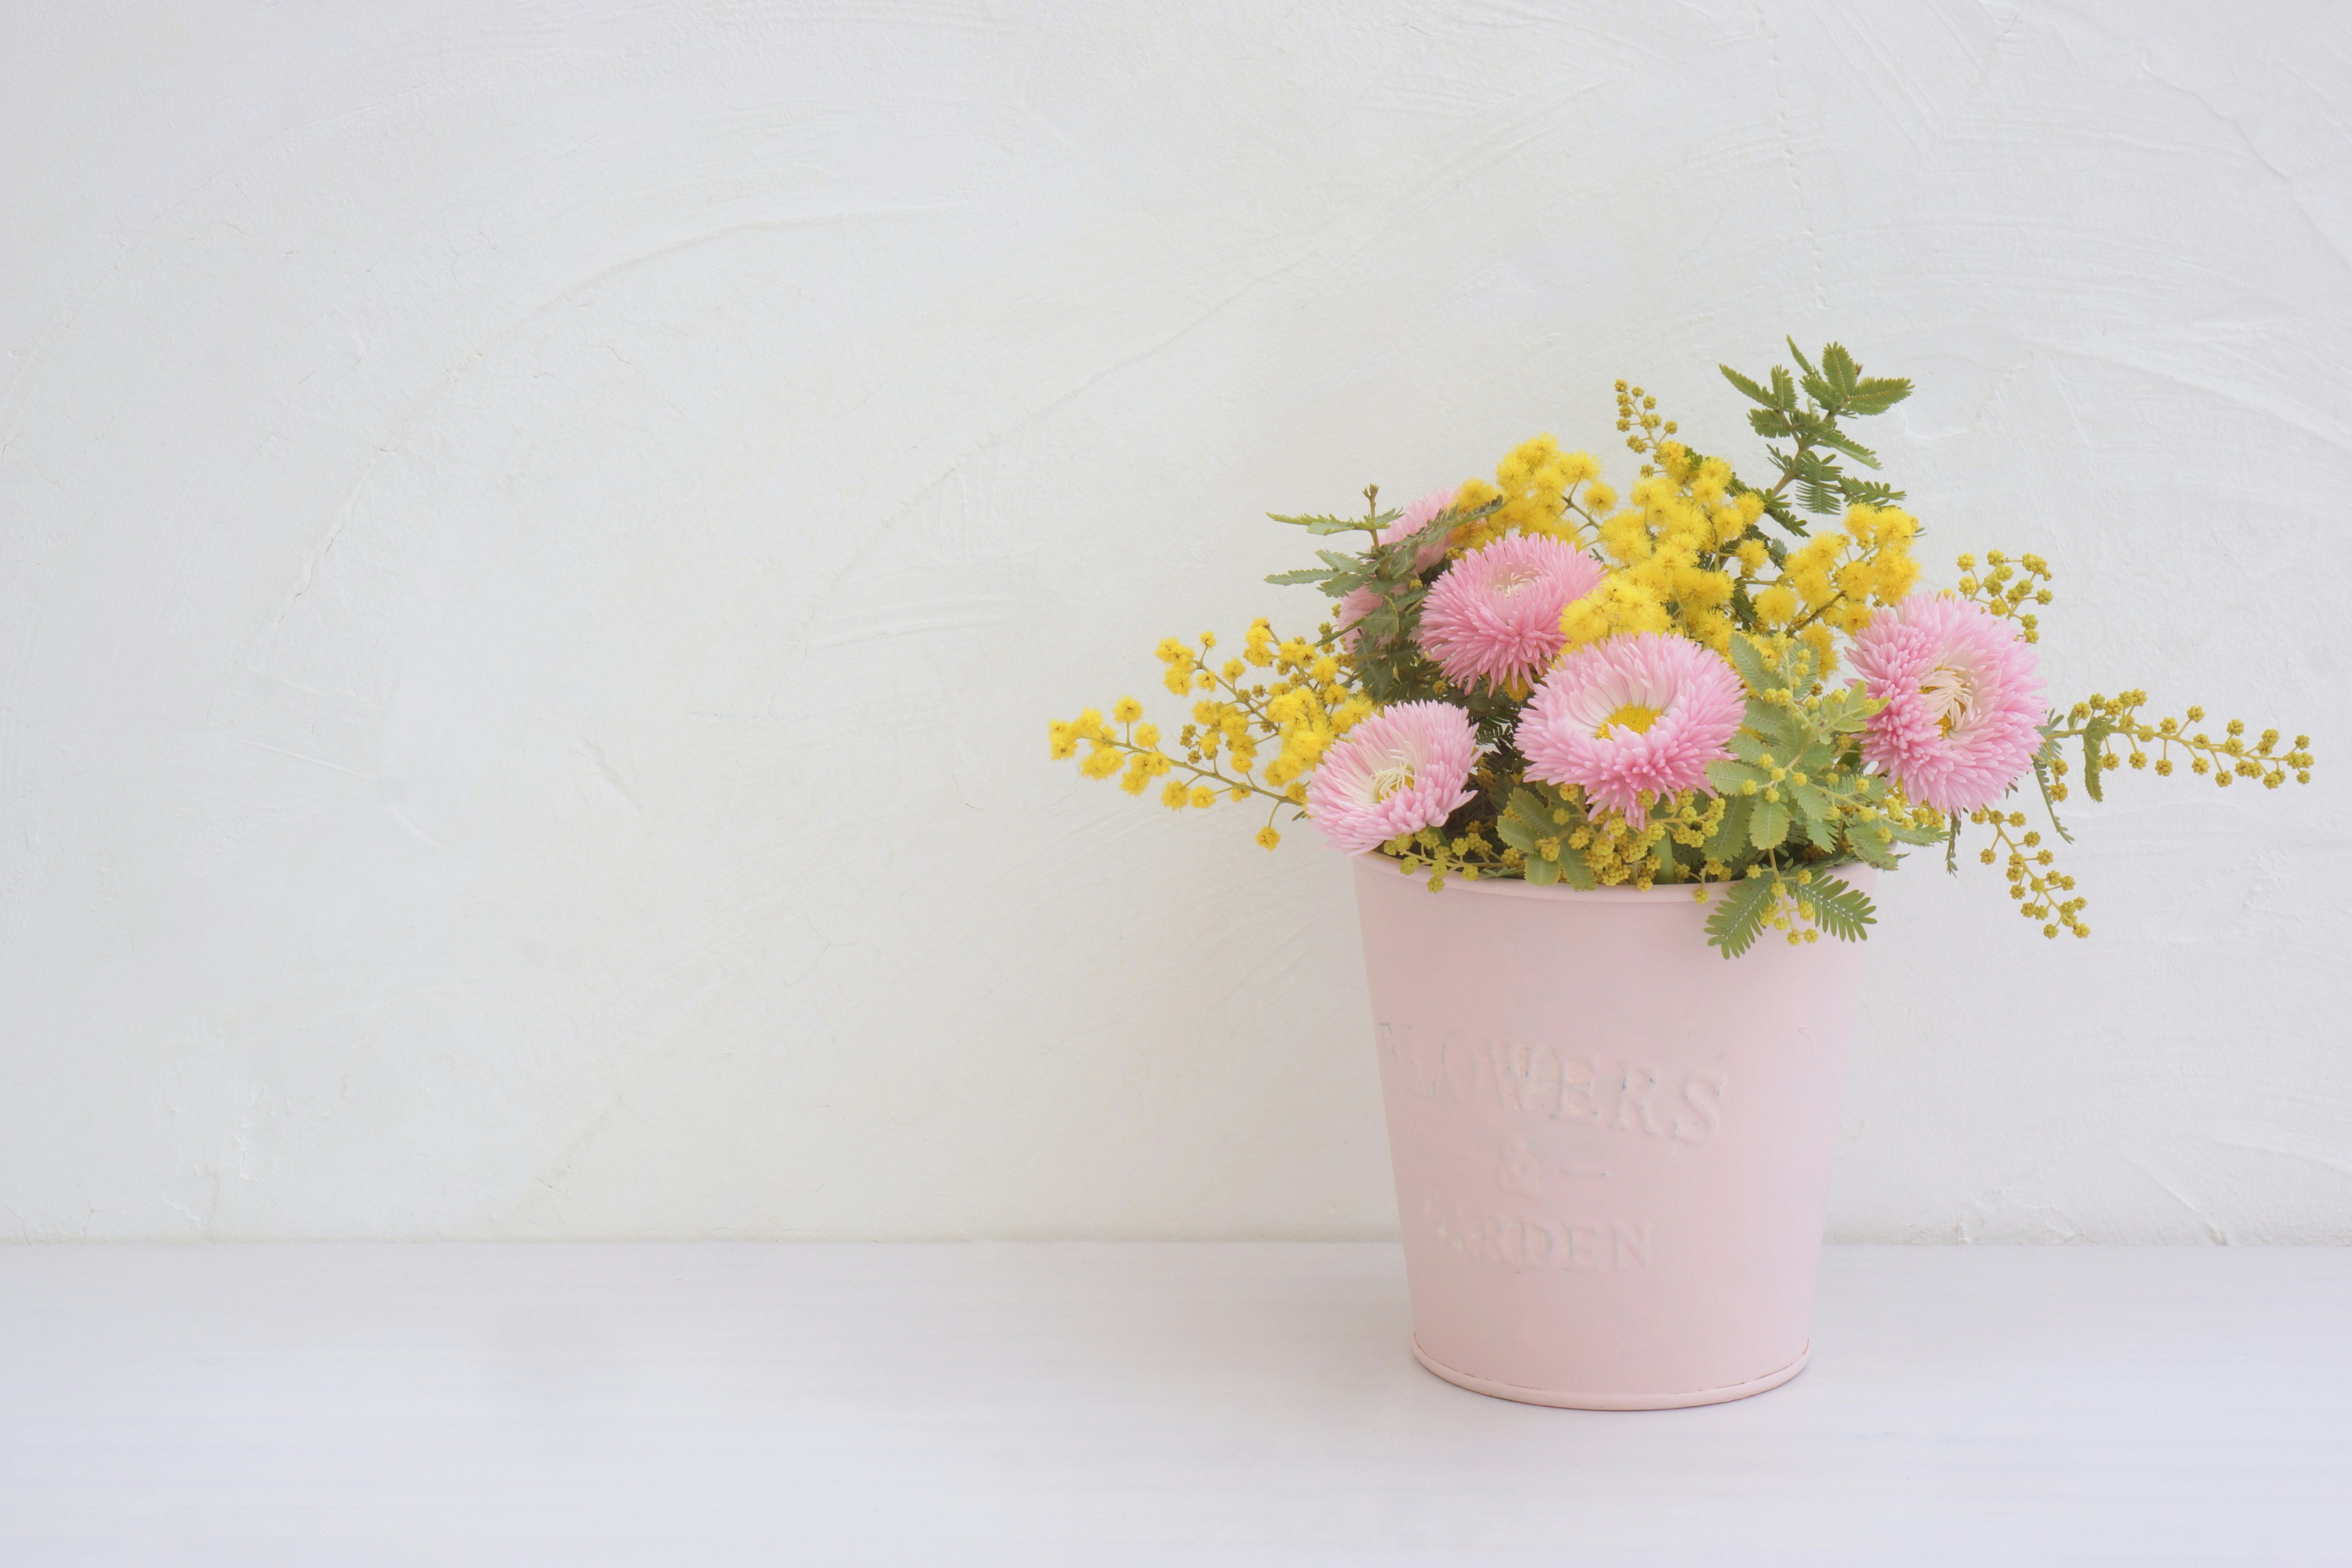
(1397, 775)
(1950, 695)
(1633, 716)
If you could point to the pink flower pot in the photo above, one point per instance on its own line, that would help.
(1612, 1143)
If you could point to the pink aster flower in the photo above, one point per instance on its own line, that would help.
(1963, 699)
(1415, 518)
(1401, 770)
(1494, 615)
(1355, 606)
(1632, 713)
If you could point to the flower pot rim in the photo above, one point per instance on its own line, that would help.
(1516, 887)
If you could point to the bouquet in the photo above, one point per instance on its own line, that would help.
(1745, 689)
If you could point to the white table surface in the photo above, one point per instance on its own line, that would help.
(1086, 1403)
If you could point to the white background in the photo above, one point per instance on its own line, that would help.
(537, 545)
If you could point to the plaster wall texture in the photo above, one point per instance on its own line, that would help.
(537, 545)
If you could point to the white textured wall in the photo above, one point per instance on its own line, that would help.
(537, 544)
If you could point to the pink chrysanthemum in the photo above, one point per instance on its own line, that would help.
(1963, 697)
(1494, 617)
(1401, 770)
(1355, 606)
(1632, 713)
(1415, 518)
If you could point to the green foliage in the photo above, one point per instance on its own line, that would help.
(1748, 660)
(1810, 467)
(1847, 712)
(1730, 844)
(1536, 822)
(1843, 910)
(1390, 665)
(2095, 753)
(1907, 834)
(1738, 916)
(2042, 761)
(1730, 776)
(1817, 815)
(1797, 798)
(1372, 522)
(1874, 848)
(1795, 801)
(1523, 824)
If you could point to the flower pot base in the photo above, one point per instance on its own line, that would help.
(1611, 1147)
(1560, 1399)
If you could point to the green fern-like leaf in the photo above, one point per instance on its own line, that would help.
(1871, 843)
(1819, 493)
(1319, 523)
(1728, 843)
(1876, 394)
(1907, 834)
(1850, 448)
(1816, 816)
(1738, 916)
(1840, 371)
(2049, 804)
(1517, 835)
(1799, 664)
(2095, 753)
(1529, 808)
(1868, 493)
(1748, 660)
(1847, 712)
(1840, 909)
(1768, 828)
(1748, 388)
(1771, 731)
(1727, 775)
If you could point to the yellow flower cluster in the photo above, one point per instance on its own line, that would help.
(1290, 696)
(2233, 756)
(1469, 856)
(1536, 483)
(1621, 853)
(1638, 417)
(2007, 587)
(2099, 722)
(1686, 554)
(2031, 881)
(1834, 582)
(1686, 545)
(1668, 547)
(1137, 751)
